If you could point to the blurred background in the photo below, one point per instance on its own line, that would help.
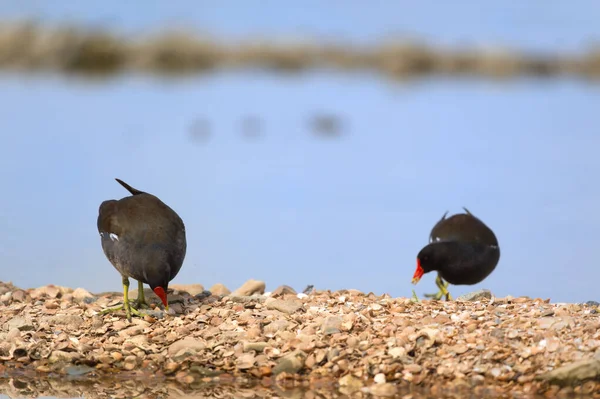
(305, 143)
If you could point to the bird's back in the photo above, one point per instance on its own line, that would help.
(142, 237)
(463, 227)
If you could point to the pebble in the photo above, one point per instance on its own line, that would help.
(291, 363)
(250, 287)
(219, 290)
(83, 295)
(331, 325)
(284, 290)
(254, 346)
(192, 289)
(47, 291)
(185, 347)
(384, 390)
(19, 323)
(286, 306)
(476, 296)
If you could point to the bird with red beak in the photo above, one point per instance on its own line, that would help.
(462, 249)
(143, 239)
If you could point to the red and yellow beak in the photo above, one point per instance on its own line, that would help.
(160, 292)
(418, 273)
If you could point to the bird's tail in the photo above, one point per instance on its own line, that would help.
(129, 188)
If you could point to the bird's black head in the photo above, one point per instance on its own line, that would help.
(428, 260)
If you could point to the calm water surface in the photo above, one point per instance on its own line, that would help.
(292, 207)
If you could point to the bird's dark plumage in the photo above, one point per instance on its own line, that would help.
(462, 227)
(143, 238)
(462, 249)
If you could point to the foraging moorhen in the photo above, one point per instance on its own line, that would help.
(462, 249)
(143, 239)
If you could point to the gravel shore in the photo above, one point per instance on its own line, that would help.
(348, 342)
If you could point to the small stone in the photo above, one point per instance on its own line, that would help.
(245, 361)
(185, 347)
(459, 349)
(219, 290)
(249, 288)
(83, 296)
(62, 356)
(130, 362)
(287, 306)
(475, 296)
(192, 289)
(331, 325)
(546, 322)
(204, 294)
(552, 344)
(386, 390)
(254, 346)
(49, 291)
(175, 308)
(170, 368)
(18, 296)
(397, 352)
(495, 372)
(291, 363)
(71, 321)
(350, 382)
(379, 378)
(275, 326)
(547, 313)
(119, 325)
(105, 359)
(497, 333)
(20, 323)
(413, 368)
(283, 290)
(6, 297)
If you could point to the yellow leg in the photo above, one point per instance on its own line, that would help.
(141, 299)
(443, 290)
(126, 305)
(414, 298)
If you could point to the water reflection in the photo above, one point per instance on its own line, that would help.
(159, 389)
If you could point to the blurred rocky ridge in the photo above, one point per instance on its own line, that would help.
(30, 47)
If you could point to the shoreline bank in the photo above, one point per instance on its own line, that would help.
(354, 342)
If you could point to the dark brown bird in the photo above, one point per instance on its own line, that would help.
(462, 249)
(143, 239)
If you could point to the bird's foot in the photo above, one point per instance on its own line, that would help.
(436, 296)
(439, 295)
(443, 286)
(141, 304)
(129, 310)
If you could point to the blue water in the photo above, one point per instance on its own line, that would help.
(292, 208)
